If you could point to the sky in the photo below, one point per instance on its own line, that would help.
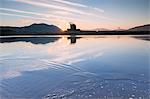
(86, 14)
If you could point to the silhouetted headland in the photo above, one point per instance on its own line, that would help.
(44, 29)
(34, 29)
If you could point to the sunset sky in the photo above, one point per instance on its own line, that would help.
(86, 14)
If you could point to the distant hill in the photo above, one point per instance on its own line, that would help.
(101, 29)
(119, 30)
(137, 28)
(34, 29)
(141, 28)
(104, 29)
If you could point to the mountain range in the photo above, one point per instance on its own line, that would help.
(44, 29)
(137, 28)
(33, 29)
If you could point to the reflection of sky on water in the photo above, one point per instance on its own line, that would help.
(102, 62)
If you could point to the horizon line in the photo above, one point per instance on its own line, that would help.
(68, 23)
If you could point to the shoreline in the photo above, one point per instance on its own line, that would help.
(84, 33)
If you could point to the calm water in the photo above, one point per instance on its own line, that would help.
(83, 67)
